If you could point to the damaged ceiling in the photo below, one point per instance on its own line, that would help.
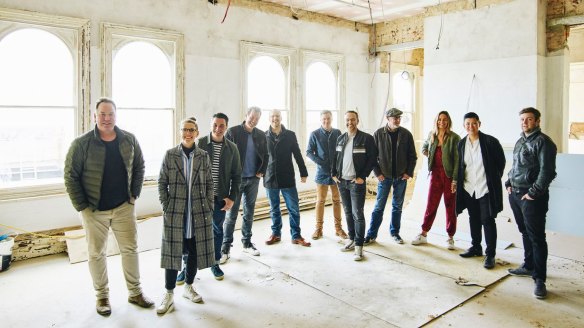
(362, 11)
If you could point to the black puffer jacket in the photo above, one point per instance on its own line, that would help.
(534, 164)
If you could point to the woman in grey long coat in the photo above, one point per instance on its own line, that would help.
(185, 188)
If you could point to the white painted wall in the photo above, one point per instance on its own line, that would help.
(212, 81)
(499, 45)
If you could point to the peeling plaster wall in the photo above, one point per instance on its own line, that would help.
(499, 45)
(212, 69)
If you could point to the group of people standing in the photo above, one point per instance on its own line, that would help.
(203, 182)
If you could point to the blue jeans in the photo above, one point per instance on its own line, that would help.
(291, 199)
(353, 198)
(218, 221)
(383, 189)
(249, 194)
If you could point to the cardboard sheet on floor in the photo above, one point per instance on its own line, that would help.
(149, 237)
(396, 292)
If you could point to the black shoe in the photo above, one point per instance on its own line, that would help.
(397, 239)
(472, 252)
(489, 262)
(368, 240)
(540, 291)
(521, 271)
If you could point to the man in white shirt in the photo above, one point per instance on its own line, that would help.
(481, 163)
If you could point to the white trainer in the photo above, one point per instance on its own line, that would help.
(419, 240)
(224, 258)
(191, 294)
(349, 246)
(250, 249)
(358, 253)
(450, 243)
(167, 304)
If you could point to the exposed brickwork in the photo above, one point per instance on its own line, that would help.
(557, 37)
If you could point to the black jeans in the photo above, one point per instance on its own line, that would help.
(530, 216)
(190, 250)
(479, 216)
(353, 198)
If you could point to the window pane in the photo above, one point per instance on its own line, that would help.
(153, 129)
(402, 93)
(141, 77)
(36, 69)
(33, 144)
(321, 87)
(266, 84)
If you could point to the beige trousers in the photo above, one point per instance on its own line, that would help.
(321, 192)
(122, 221)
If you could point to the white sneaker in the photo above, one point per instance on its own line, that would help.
(224, 258)
(167, 304)
(450, 244)
(349, 246)
(191, 294)
(250, 249)
(358, 253)
(419, 240)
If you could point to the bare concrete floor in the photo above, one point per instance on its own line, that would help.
(291, 286)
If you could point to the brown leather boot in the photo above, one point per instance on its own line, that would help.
(317, 234)
(103, 307)
(339, 229)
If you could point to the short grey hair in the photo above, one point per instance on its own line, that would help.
(325, 112)
(254, 109)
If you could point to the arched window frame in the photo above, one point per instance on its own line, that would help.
(287, 57)
(336, 62)
(74, 32)
(116, 36)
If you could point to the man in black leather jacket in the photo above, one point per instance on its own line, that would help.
(355, 157)
(534, 168)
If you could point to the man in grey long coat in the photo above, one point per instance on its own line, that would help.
(185, 188)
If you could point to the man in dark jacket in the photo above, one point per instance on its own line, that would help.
(321, 150)
(480, 191)
(226, 171)
(282, 145)
(395, 164)
(534, 168)
(253, 155)
(355, 157)
(104, 172)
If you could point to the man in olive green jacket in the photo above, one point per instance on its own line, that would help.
(104, 171)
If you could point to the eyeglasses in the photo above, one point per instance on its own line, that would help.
(191, 130)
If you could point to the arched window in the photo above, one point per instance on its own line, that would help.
(320, 84)
(40, 108)
(403, 97)
(268, 73)
(144, 76)
(142, 87)
(266, 88)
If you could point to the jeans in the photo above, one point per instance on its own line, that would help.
(218, 221)
(291, 199)
(383, 189)
(479, 216)
(530, 216)
(122, 221)
(249, 194)
(190, 258)
(353, 197)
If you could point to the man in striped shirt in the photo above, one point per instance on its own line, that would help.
(226, 172)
